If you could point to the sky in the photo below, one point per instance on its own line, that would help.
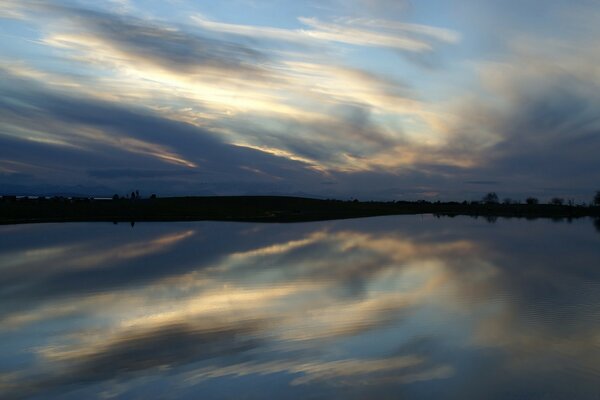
(368, 99)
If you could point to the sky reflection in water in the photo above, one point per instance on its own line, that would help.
(388, 307)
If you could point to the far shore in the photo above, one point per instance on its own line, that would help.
(260, 209)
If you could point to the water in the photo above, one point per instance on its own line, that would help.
(391, 307)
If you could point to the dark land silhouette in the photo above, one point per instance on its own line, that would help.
(263, 209)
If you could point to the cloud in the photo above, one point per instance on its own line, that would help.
(167, 47)
(138, 173)
(97, 134)
(325, 142)
(346, 33)
(345, 99)
(432, 32)
(302, 107)
(328, 117)
(139, 40)
(353, 31)
(347, 372)
(539, 130)
(9, 11)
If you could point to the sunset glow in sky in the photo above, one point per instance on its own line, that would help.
(375, 99)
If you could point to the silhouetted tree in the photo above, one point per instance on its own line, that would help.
(597, 198)
(557, 201)
(490, 198)
(115, 197)
(507, 201)
(532, 201)
(153, 196)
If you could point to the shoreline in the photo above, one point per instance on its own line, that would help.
(274, 209)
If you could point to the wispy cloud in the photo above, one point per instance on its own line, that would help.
(426, 31)
(322, 103)
(97, 131)
(348, 372)
(353, 31)
(346, 33)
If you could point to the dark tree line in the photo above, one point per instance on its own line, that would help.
(493, 198)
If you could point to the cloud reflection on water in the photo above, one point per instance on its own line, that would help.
(384, 304)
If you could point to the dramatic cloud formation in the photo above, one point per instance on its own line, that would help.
(376, 99)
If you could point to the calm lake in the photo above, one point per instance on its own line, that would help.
(387, 307)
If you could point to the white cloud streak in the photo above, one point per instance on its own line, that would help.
(358, 32)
